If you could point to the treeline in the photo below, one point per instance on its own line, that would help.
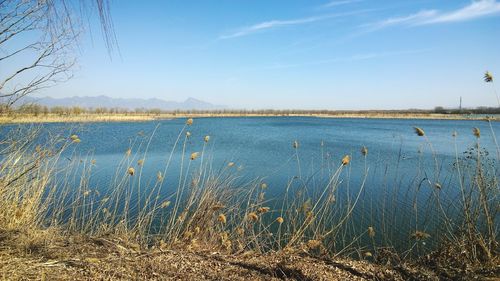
(39, 110)
(477, 110)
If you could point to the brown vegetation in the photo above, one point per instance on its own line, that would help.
(214, 226)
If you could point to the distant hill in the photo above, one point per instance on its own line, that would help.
(124, 103)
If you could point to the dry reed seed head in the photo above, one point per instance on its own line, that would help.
(420, 235)
(488, 77)
(159, 176)
(346, 160)
(93, 161)
(310, 215)
(263, 210)
(19, 213)
(86, 193)
(253, 217)
(364, 150)
(187, 235)
(240, 231)
(217, 206)
(306, 206)
(313, 244)
(371, 231)
(195, 182)
(262, 195)
(224, 236)
(189, 122)
(295, 144)
(131, 171)
(476, 132)
(222, 218)
(280, 220)
(368, 255)
(74, 137)
(140, 162)
(76, 140)
(437, 185)
(128, 152)
(194, 155)
(165, 204)
(227, 244)
(206, 138)
(182, 216)
(230, 164)
(263, 185)
(104, 200)
(419, 131)
(188, 134)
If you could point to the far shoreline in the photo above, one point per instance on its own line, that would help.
(140, 117)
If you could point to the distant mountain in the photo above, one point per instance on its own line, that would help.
(124, 103)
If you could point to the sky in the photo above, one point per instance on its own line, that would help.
(304, 54)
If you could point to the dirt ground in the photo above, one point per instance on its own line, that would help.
(48, 257)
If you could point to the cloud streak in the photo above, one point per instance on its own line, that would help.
(356, 57)
(476, 9)
(267, 25)
(339, 3)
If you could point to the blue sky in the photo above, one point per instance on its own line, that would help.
(341, 54)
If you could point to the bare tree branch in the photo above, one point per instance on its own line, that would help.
(38, 37)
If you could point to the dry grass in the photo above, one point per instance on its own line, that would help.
(142, 117)
(53, 223)
(51, 256)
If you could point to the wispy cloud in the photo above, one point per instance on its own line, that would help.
(339, 3)
(406, 20)
(357, 57)
(270, 24)
(282, 23)
(476, 9)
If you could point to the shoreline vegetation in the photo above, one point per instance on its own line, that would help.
(22, 118)
(55, 224)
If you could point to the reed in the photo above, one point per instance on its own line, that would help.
(48, 185)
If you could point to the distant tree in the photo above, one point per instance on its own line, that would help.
(59, 110)
(155, 111)
(45, 110)
(439, 109)
(101, 110)
(76, 110)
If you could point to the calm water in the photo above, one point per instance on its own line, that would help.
(397, 160)
(263, 146)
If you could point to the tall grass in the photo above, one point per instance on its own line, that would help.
(49, 185)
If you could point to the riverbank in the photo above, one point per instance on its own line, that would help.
(139, 117)
(48, 255)
(51, 255)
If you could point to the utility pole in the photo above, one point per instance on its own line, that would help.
(460, 106)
